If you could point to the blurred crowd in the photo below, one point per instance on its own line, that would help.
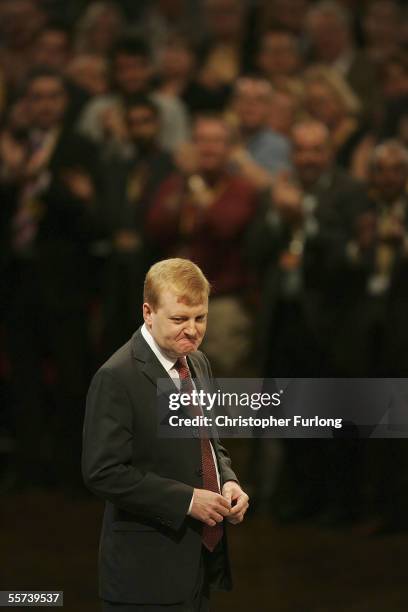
(265, 140)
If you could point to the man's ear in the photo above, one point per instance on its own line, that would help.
(147, 314)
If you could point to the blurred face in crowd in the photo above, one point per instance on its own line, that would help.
(289, 14)
(212, 142)
(278, 55)
(177, 61)
(177, 326)
(51, 49)
(224, 18)
(132, 73)
(47, 101)
(395, 78)
(389, 172)
(20, 20)
(323, 103)
(143, 125)
(311, 151)
(90, 72)
(105, 30)
(329, 35)
(252, 103)
(381, 22)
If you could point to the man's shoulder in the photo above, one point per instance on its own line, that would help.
(119, 358)
(117, 367)
(122, 362)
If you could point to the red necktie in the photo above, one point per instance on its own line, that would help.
(210, 535)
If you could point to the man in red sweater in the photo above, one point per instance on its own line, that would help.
(201, 213)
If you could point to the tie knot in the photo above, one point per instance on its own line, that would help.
(181, 363)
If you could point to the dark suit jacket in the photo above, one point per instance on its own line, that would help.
(339, 200)
(149, 549)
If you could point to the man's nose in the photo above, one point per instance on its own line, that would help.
(190, 328)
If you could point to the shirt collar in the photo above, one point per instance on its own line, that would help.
(167, 362)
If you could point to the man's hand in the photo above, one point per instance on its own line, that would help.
(12, 153)
(209, 507)
(80, 184)
(238, 500)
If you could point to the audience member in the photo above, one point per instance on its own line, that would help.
(50, 175)
(99, 28)
(328, 98)
(279, 57)
(201, 212)
(132, 72)
(129, 187)
(260, 152)
(330, 32)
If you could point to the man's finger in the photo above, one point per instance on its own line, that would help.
(215, 516)
(223, 510)
(228, 495)
(236, 519)
(240, 505)
(224, 501)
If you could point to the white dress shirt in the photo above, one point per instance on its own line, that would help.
(168, 364)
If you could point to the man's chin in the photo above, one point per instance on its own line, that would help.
(188, 347)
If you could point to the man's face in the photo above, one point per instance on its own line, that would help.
(211, 140)
(223, 18)
(177, 327)
(252, 106)
(322, 103)
(389, 176)
(20, 20)
(278, 55)
(290, 14)
(311, 153)
(381, 22)
(329, 36)
(132, 73)
(47, 102)
(143, 125)
(51, 49)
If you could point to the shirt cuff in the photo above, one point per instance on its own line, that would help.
(191, 505)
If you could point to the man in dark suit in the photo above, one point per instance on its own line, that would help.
(163, 537)
(296, 241)
(50, 180)
(129, 187)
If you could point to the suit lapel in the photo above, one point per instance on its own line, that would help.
(156, 373)
(142, 352)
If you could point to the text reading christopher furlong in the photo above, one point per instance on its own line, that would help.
(205, 401)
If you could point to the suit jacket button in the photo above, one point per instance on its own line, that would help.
(199, 472)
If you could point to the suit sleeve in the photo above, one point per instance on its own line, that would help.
(108, 438)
